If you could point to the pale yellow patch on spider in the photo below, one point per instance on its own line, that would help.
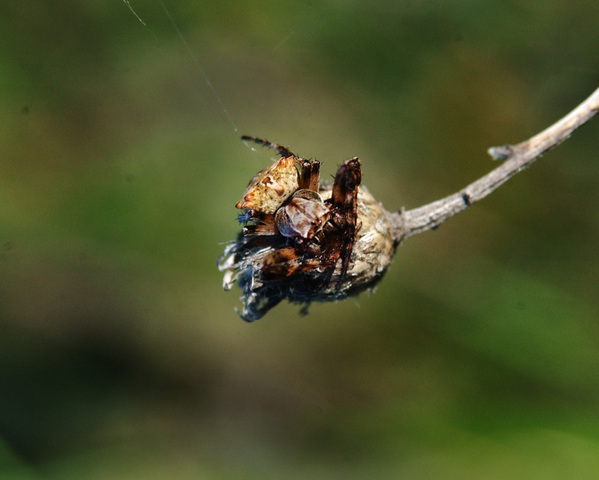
(269, 188)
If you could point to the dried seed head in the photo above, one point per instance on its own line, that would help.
(374, 247)
(304, 241)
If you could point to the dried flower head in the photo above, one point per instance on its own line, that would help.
(303, 241)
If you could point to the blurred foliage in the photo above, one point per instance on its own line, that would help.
(122, 357)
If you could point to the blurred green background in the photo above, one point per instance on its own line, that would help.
(121, 356)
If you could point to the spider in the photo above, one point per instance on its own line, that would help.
(283, 198)
(295, 244)
(283, 201)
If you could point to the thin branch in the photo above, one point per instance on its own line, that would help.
(517, 157)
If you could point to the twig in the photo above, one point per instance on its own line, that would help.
(517, 157)
(302, 275)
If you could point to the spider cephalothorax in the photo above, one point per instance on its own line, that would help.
(299, 236)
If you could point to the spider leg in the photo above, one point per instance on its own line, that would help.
(346, 257)
(345, 203)
(345, 186)
(275, 146)
(309, 175)
(280, 264)
(264, 226)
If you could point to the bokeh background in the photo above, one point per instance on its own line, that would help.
(122, 357)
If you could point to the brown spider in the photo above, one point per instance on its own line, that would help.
(283, 199)
(298, 239)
